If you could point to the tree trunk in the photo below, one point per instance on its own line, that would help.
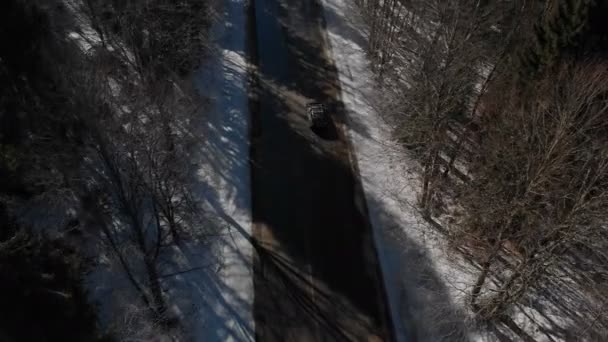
(159, 302)
(173, 228)
(485, 269)
(503, 294)
(125, 265)
(159, 306)
(481, 279)
(484, 88)
(427, 187)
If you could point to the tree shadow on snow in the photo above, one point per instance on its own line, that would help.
(206, 277)
(421, 298)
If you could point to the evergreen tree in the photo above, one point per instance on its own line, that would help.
(559, 34)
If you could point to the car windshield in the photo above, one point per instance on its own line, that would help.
(316, 108)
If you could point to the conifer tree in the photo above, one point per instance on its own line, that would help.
(559, 34)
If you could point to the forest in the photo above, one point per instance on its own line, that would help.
(96, 125)
(503, 106)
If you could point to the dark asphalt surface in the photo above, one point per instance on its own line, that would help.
(316, 272)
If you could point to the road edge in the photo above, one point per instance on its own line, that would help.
(360, 197)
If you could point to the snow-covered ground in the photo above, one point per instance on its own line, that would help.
(426, 282)
(228, 307)
(422, 283)
(208, 282)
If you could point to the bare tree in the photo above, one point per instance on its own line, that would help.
(430, 56)
(539, 182)
(140, 124)
(524, 166)
(108, 131)
(156, 37)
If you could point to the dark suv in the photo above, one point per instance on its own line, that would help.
(319, 119)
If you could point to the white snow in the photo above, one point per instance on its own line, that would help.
(426, 282)
(86, 37)
(226, 306)
(208, 283)
(415, 267)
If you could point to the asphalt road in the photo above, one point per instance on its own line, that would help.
(316, 272)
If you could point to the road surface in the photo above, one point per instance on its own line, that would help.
(316, 274)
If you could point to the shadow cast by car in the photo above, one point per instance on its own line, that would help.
(328, 132)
